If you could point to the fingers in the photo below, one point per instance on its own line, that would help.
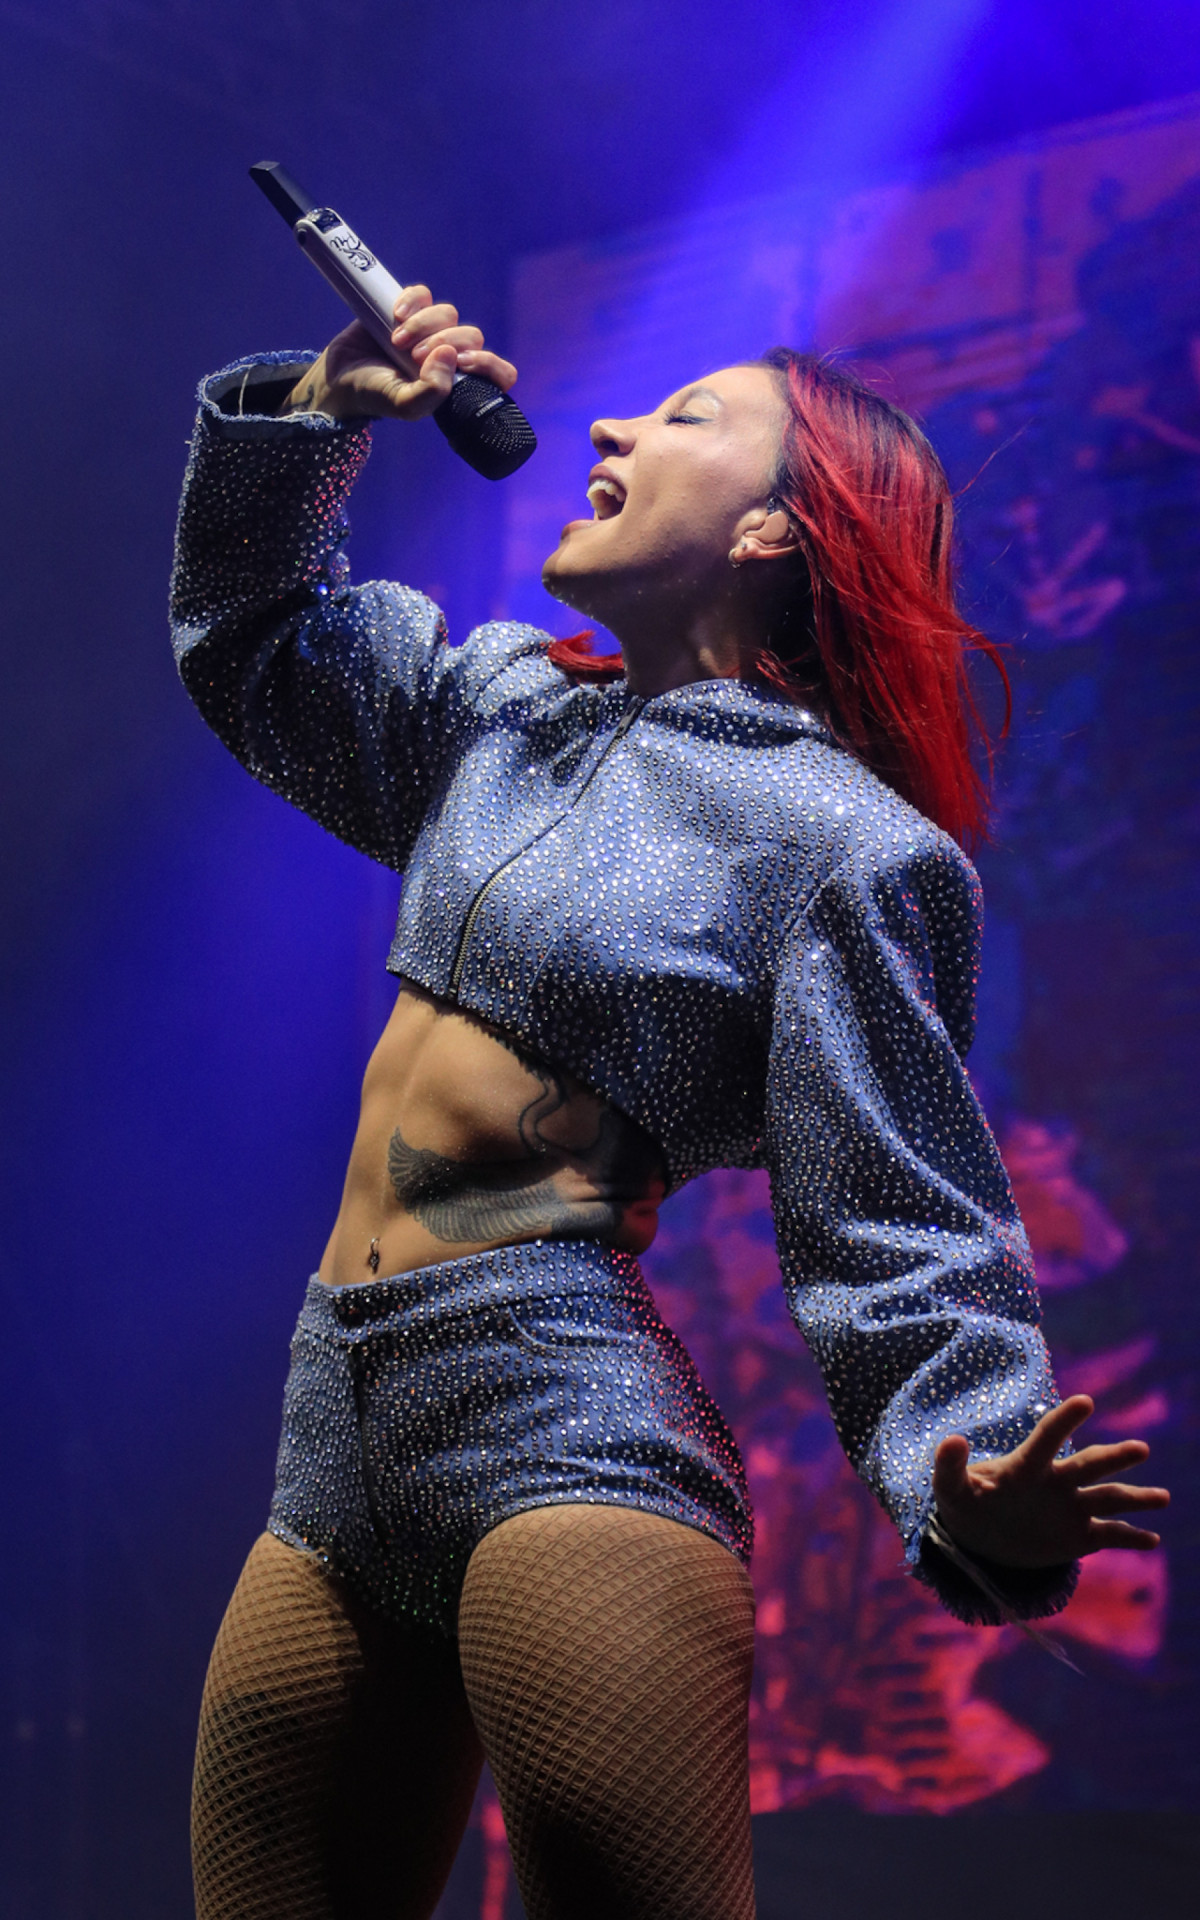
(422, 325)
(417, 317)
(462, 339)
(410, 300)
(428, 345)
(1054, 1429)
(950, 1469)
(415, 398)
(1119, 1533)
(1116, 1498)
(1027, 1508)
(1096, 1463)
(489, 366)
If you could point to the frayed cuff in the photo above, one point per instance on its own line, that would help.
(242, 401)
(982, 1593)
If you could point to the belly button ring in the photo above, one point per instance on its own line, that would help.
(373, 1257)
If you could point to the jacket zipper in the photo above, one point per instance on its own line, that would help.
(619, 731)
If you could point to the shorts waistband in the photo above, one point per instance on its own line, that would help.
(534, 1269)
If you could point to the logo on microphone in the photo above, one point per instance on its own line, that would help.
(353, 251)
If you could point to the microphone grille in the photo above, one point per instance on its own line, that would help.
(485, 427)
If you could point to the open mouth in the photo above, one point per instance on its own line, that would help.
(607, 498)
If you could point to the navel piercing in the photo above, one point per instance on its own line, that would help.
(373, 1257)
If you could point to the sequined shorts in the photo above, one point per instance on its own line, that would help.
(424, 1409)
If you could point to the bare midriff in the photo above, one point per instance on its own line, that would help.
(466, 1142)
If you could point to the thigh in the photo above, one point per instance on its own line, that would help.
(336, 1760)
(607, 1656)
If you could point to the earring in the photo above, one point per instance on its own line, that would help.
(738, 554)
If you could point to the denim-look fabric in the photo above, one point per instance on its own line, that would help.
(424, 1409)
(698, 904)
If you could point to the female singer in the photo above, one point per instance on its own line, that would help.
(708, 910)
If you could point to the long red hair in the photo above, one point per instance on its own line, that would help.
(874, 634)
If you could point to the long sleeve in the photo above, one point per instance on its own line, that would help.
(335, 697)
(906, 1265)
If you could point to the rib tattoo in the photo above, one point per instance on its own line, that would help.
(472, 1201)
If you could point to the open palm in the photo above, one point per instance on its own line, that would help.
(1028, 1508)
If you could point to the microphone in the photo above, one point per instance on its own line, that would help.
(485, 427)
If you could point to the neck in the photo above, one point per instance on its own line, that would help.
(662, 650)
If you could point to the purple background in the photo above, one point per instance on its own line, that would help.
(193, 973)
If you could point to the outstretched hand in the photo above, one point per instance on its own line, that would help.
(1027, 1509)
(354, 378)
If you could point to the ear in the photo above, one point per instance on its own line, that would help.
(765, 533)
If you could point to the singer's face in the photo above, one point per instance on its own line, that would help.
(667, 498)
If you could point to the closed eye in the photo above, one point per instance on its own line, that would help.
(687, 419)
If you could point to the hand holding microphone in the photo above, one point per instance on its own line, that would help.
(352, 378)
(433, 365)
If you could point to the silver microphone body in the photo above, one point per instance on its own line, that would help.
(354, 273)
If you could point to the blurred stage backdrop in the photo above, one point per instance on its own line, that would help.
(1040, 311)
(198, 976)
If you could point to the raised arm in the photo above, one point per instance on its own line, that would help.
(339, 698)
(905, 1261)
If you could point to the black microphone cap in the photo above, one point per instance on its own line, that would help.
(281, 190)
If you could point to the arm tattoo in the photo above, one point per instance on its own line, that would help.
(303, 404)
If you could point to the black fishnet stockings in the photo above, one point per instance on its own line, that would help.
(336, 1761)
(606, 1655)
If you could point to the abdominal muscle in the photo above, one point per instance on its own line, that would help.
(465, 1142)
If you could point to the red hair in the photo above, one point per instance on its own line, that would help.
(874, 634)
(577, 657)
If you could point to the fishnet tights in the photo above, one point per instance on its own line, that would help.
(606, 1655)
(336, 1761)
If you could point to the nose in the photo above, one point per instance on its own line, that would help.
(612, 436)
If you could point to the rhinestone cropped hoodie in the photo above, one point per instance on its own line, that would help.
(697, 903)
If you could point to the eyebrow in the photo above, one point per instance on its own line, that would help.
(693, 393)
